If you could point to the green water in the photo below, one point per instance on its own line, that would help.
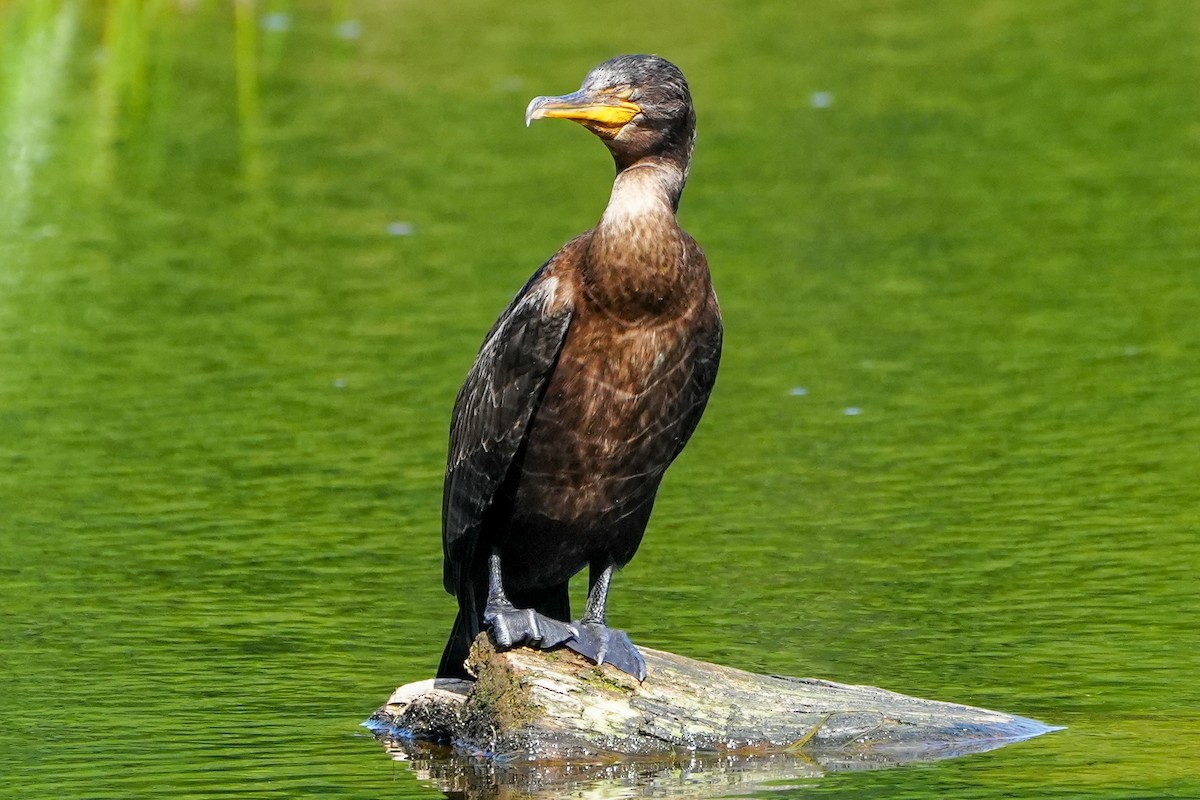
(247, 253)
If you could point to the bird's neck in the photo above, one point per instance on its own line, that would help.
(637, 255)
(647, 188)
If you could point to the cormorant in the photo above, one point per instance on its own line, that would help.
(585, 390)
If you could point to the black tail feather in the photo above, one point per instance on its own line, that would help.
(459, 645)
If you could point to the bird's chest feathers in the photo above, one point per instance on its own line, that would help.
(614, 386)
(636, 265)
(601, 359)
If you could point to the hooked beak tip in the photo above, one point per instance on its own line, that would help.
(531, 110)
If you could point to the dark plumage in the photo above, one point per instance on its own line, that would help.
(586, 388)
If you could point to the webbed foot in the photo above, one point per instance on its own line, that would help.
(512, 627)
(606, 645)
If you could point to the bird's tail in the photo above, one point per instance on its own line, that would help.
(454, 657)
(467, 625)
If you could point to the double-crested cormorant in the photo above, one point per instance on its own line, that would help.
(586, 388)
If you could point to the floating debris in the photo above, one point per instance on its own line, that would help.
(349, 29)
(400, 228)
(340, 383)
(852, 411)
(798, 391)
(821, 100)
(276, 21)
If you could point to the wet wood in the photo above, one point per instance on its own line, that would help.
(530, 705)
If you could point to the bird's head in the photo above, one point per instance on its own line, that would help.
(639, 105)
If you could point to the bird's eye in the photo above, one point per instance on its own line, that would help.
(623, 92)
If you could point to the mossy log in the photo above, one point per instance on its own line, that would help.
(556, 708)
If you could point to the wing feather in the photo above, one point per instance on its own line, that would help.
(493, 411)
(705, 362)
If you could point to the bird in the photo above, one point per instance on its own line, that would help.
(585, 389)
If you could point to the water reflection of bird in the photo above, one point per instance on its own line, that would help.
(586, 388)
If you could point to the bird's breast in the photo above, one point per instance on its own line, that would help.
(641, 270)
(607, 426)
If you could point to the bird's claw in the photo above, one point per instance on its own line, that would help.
(606, 645)
(513, 627)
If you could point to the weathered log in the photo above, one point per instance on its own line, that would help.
(557, 711)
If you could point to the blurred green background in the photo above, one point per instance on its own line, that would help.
(248, 250)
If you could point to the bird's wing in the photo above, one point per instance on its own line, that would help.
(493, 411)
(705, 360)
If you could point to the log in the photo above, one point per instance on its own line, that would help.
(555, 712)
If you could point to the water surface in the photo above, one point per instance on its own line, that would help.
(247, 252)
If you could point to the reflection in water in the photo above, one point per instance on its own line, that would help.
(249, 106)
(133, 87)
(686, 774)
(35, 68)
(689, 775)
(136, 87)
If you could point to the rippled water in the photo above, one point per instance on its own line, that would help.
(247, 252)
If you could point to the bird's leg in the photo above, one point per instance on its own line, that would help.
(596, 608)
(594, 639)
(512, 626)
